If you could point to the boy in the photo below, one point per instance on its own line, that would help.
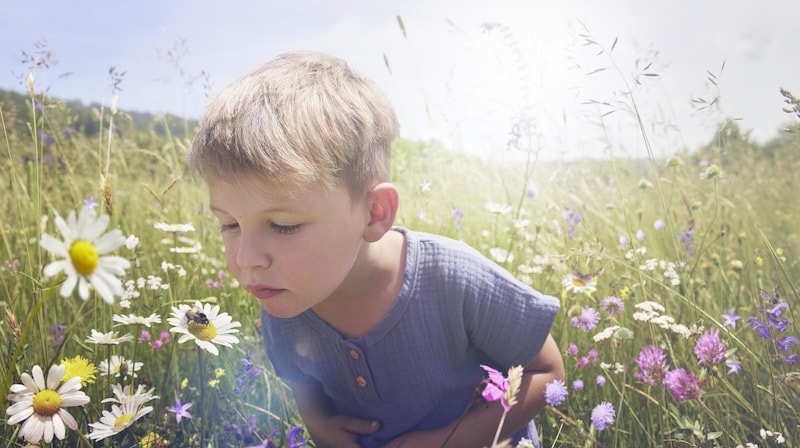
(379, 331)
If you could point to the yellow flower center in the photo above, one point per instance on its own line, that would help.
(122, 420)
(578, 282)
(204, 332)
(84, 257)
(46, 402)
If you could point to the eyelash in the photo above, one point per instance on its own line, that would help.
(278, 228)
(285, 230)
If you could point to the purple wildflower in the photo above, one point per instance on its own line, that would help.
(730, 319)
(652, 364)
(785, 343)
(613, 306)
(601, 380)
(572, 218)
(687, 239)
(734, 366)
(659, 224)
(295, 437)
(458, 214)
(555, 392)
(588, 319)
(90, 203)
(603, 415)
(682, 385)
(531, 191)
(710, 350)
(774, 321)
(248, 372)
(495, 387)
(58, 333)
(572, 349)
(180, 410)
(521, 131)
(623, 240)
(577, 385)
(640, 235)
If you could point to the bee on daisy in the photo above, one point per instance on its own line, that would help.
(40, 404)
(204, 324)
(84, 261)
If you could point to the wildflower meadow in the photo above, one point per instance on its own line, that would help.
(120, 326)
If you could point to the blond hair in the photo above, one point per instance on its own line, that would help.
(302, 118)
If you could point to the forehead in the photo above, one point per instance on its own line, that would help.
(251, 193)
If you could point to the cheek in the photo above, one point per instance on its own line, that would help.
(230, 258)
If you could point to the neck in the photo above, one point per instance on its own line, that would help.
(370, 291)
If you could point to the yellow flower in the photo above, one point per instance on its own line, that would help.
(759, 261)
(219, 372)
(184, 383)
(625, 293)
(213, 383)
(153, 440)
(79, 367)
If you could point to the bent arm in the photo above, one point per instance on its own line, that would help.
(327, 429)
(478, 427)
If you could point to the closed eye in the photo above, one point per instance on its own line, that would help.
(228, 227)
(285, 229)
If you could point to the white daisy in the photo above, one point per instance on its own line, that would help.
(84, 263)
(218, 330)
(132, 319)
(174, 228)
(118, 419)
(123, 394)
(118, 365)
(41, 406)
(578, 283)
(109, 338)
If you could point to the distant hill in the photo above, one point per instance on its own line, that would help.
(16, 109)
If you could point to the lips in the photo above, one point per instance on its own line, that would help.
(264, 292)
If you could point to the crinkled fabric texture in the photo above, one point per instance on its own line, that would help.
(419, 367)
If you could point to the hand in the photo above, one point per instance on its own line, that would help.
(339, 431)
(418, 439)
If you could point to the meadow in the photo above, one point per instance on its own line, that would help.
(676, 276)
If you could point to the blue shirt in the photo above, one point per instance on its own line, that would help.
(419, 368)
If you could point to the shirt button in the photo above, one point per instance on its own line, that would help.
(361, 381)
(354, 354)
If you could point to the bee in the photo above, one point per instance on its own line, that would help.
(197, 316)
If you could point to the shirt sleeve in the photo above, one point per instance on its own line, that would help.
(506, 319)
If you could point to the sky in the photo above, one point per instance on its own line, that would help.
(468, 73)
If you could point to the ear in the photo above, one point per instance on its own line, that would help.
(384, 200)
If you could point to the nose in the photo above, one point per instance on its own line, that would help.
(252, 252)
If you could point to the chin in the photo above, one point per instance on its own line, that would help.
(279, 312)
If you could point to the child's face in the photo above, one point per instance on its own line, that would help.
(291, 251)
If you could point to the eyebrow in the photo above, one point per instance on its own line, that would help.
(214, 208)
